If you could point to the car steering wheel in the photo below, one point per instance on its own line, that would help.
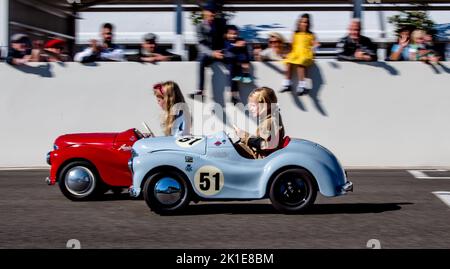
(148, 129)
(233, 138)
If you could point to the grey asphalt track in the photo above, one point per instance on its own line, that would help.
(388, 205)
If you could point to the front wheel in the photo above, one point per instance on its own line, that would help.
(79, 181)
(166, 192)
(293, 190)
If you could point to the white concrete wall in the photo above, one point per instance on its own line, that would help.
(372, 115)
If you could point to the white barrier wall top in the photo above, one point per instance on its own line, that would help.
(372, 115)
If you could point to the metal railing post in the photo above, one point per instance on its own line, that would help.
(4, 27)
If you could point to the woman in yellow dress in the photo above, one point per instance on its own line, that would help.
(301, 55)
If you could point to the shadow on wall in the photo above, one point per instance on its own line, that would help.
(221, 90)
(384, 65)
(436, 68)
(221, 87)
(43, 70)
(315, 74)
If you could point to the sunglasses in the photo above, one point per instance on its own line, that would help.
(274, 41)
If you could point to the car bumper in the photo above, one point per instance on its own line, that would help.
(134, 192)
(347, 187)
(49, 181)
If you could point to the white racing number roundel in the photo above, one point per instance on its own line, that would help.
(209, 180)
(189, 141)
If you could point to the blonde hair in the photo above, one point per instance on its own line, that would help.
(278, 36)
(416, 34)
(264, 95)
(170, 92)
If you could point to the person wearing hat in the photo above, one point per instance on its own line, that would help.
(276, 50)
(54, 51)
(151, 53)
(211, 41)
(51, 51)
(20, 51)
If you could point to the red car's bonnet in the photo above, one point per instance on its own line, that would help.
(100, 139)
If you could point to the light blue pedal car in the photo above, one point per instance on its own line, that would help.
(170, 172)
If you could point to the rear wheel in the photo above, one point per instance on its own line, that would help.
(166, 192)
(79, 181)
(293, 190)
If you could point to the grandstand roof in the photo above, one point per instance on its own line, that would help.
(65, 4)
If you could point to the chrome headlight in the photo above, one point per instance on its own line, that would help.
(130, 162)
(130, 165)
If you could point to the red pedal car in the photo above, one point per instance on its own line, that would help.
(88, 165)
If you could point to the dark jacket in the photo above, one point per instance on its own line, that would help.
(15, 54)
(346, 48)
(211, 37)
(158, 50)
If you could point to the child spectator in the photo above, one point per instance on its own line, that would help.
(400, 51)
(275, 50)
(20, 51)
(262, 103)
(237, 60)
(419, 50)
(356, 47)
(107, 51)
(302, 54)
(174, 123)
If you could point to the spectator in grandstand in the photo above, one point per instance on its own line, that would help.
(237, 59)
(356, 47)
(37, 49)
(151, 52)
(400, 51)
(107, 51)
(51, 51)
(276, 50)
(210, 35)
(422, 47)
(301, 55)
(20, 50)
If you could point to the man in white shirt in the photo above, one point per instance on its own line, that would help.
(102, 52)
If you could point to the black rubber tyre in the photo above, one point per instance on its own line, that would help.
(293, 190)
(94, 185)
(155, 204)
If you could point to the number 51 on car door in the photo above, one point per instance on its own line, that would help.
(209, 180)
